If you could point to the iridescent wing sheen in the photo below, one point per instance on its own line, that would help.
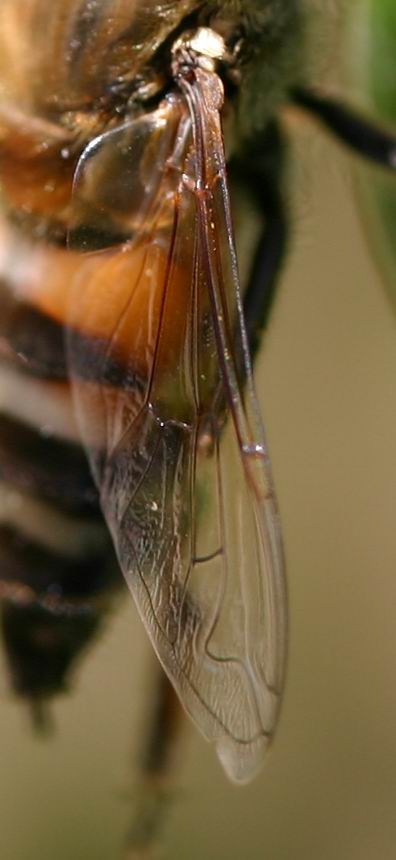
(168, 415)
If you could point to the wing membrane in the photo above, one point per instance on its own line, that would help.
(187, 493)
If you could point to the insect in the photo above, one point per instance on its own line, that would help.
(125, 328)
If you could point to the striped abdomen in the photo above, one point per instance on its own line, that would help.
(56, 562)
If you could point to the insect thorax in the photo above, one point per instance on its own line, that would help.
(77, 63)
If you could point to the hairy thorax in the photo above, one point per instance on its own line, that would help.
(80, 62)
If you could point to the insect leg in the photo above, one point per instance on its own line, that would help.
(355, 131)
(260, 168)
(155, 788)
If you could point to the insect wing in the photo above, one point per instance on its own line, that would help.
(158, 358)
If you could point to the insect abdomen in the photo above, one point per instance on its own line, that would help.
(55, 556)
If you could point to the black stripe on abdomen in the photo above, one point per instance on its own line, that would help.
(47, 466)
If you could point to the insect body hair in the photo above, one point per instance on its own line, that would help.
(270, 50)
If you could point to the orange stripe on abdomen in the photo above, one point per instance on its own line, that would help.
(114, 296)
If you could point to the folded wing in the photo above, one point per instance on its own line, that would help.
(168, 415)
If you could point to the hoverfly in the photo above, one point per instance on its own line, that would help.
(124, 327)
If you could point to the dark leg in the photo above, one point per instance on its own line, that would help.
(266, 267)
(259, 168)
(356, 132)
(156, 775)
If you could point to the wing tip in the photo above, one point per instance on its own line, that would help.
(242, 761)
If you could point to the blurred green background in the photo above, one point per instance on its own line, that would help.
(326, 380)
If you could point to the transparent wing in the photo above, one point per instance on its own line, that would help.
(168, 415)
